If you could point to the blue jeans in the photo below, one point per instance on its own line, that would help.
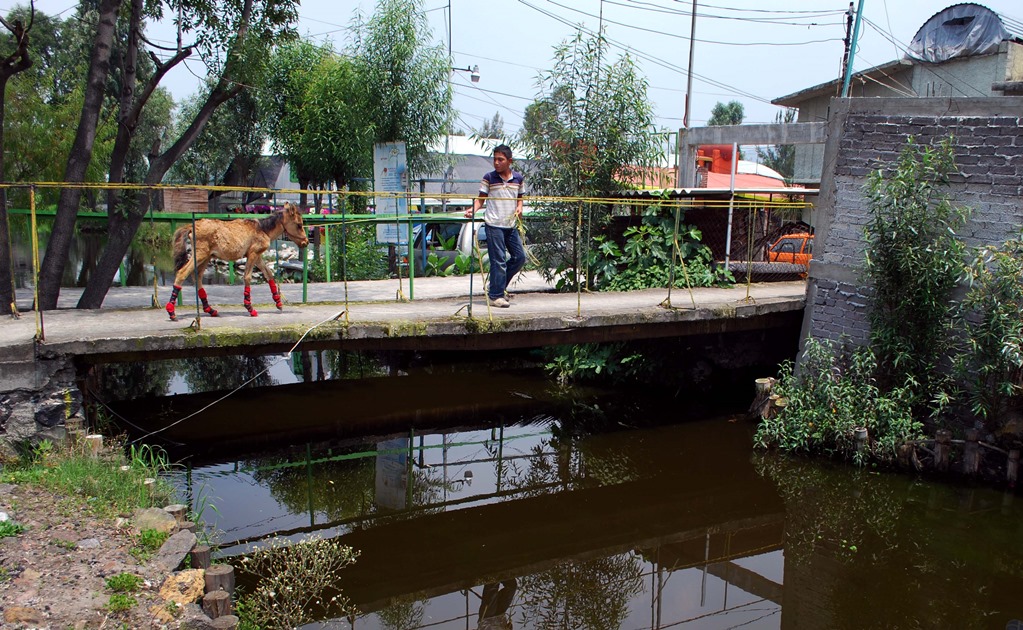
(507, 257)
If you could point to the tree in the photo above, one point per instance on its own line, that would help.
(781, 158)
(405, 78)
(229, 147)
(493, 128)
(14, 62)
(324, 138)
(80, 155)
(730, 114)
(590, 130)
(283, 100)
(234, 42)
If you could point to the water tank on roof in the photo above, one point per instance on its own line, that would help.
(961, 30)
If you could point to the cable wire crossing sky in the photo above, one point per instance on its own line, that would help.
(751, 51)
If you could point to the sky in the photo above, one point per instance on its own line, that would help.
(751, 51)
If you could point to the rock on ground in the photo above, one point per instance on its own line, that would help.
(53, 575)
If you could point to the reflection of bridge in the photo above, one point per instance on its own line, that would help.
(679, 506)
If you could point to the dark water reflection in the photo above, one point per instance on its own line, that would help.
(609, 513)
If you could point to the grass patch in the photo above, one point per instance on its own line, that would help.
(119, 602)
(107, 485)
(149, 541)
(124, 583)
(10, 528)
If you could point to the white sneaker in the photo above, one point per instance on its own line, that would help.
(508, 296)
(499, 302)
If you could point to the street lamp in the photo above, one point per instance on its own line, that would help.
(474, 72)
(474, 76)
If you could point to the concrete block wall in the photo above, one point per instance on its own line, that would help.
(866, 134)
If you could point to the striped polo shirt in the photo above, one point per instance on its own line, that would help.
(502, 198)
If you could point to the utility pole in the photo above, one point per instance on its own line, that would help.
(686, 158)
(847, 41)
(689, 72)
(852, 51)
(447, 130)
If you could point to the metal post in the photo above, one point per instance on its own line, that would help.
(731, 204)
(326, 252)
(40, 328)
(422, 210)
(410, 255)
(305, 276)
(852, 51)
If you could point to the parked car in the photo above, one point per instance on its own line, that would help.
(792, 248)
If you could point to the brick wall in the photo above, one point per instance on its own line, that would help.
(866, 134)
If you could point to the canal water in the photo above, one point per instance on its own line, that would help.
(489, 498)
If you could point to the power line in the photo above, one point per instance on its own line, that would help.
(683, 37)
(649, 58)
(782, 15)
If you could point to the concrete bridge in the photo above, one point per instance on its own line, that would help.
(44, 356)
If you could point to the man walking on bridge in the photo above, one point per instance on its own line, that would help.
(502, 190)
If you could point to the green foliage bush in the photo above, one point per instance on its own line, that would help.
(591, 361)
(991, 363)
(833, 394)
(355, 254)
(645, 261)
(914, 260)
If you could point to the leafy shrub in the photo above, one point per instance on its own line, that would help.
(591, 361)
(355, 253)
(914, 260)
(991, 364)
(833, 395)
(292, 577)
(645, 260)
(124, 583)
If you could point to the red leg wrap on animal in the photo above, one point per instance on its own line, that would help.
(248, 302)
(205, 303)
(275, 293)
(170, 304)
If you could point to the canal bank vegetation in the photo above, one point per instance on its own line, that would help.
(934, 363)
(102, 481)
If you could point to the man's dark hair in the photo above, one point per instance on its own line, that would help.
(504, 150)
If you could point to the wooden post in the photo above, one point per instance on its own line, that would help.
(942, 447)
(75, 429)
(762, 401)
(216, 604)
(200, 557)
(178, 511)
(187, 526)
(971, 452)
(93, 444)
(227, 622)
(1012, 468)
(220, 576)
(860, 438)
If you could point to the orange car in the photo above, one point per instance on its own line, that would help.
(792, 248)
